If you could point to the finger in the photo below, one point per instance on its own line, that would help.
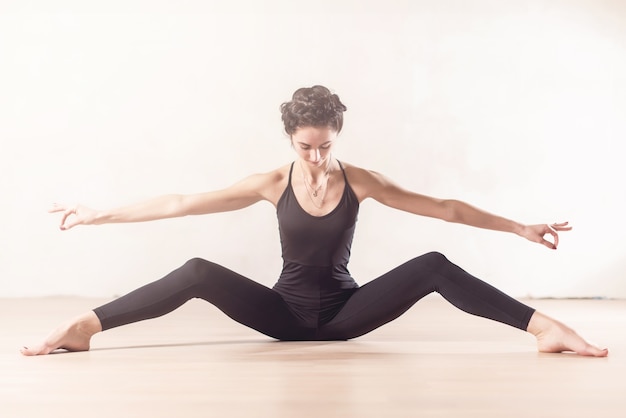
(66, 214)
(69, 225)
(56, 208)
(63, 218)
(561, 226)
(569, 228)
(555, 237)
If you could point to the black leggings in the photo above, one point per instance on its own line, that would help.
(263, 309)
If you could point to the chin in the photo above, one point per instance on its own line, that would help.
(317, 163)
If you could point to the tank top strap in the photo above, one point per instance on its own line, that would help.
(291, 171)
(345, 178)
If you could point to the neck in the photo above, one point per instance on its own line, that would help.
(316, 174)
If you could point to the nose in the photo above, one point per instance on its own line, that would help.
(315, 155)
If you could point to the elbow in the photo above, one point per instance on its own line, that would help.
(177, 206)
(450, 211)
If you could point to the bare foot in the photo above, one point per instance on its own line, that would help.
(555, 337)
(74, 336)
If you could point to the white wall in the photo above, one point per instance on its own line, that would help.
(517, 107)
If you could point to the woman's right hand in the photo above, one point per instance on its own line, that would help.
(74, 215)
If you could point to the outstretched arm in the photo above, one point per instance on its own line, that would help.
(237, 196)
(383, 190)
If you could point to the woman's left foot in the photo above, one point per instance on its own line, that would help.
(555, 337)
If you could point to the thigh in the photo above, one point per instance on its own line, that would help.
(389, 296)
(382, 300)
(242, 299)
(248, 302)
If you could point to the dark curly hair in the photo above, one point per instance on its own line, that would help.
(313, 106)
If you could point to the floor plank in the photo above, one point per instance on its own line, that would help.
(435, 361)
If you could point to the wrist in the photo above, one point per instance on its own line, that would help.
(519, 229)
(101, 217)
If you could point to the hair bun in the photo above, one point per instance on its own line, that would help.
(313, 106)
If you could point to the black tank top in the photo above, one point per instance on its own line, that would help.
(321, 241)
(315, 281)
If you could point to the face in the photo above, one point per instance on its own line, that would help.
(313, 144)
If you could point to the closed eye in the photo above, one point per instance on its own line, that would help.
(306, 147)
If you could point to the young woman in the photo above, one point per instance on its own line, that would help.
(317, 198)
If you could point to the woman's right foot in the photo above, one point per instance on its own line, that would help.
(75, 336)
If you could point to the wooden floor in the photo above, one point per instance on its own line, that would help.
(433, 362)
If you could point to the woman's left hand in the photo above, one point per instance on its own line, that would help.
(536, 233)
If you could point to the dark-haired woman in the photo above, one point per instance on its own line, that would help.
(317, 198)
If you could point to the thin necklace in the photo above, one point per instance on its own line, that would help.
(313, 191)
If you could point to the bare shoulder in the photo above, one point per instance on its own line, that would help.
(365, 183)
(371, 184)
(358, 172)
(271, 184)
(275, 175)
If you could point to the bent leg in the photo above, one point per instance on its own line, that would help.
(242, 299)
(389, 296)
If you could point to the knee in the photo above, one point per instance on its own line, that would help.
(195, 264)
(196, 270)
(433, 262)
(433, 259)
